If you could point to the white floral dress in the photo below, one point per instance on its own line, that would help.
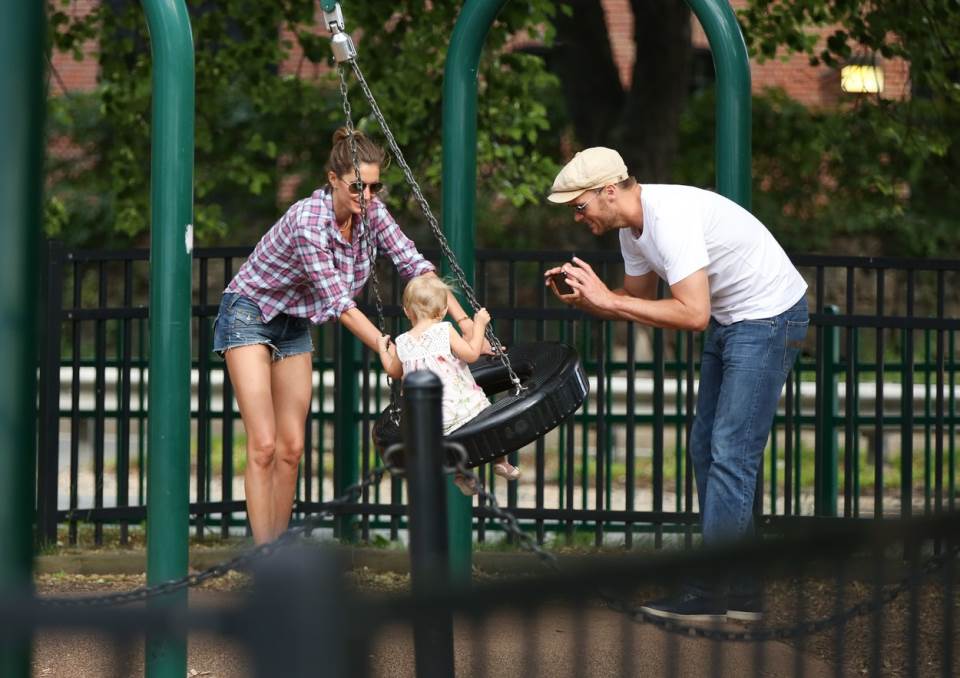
(462, 398)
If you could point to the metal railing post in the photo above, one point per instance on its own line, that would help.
(346, 464)
(827, 449)
(459, 187)
(48, 439)
(171, 248)
(734, 98)
(429, 567)
(297, 622)
(21, 189)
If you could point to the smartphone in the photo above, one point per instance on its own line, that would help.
(560, 281)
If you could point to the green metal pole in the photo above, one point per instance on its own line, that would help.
(827, 447)
(171, 247)
(459, 205)
(21, 168)
(347, 440)
(732, 66)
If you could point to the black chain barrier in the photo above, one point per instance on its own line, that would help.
(510, 524)
(244, 560)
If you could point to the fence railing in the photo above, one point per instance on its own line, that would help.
(866, 427)
(842, 598)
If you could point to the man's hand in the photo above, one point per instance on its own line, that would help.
(550, 280)
(590, 294)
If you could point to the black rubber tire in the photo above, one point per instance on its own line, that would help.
(555, 386)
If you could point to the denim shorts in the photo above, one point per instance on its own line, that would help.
(239, 323)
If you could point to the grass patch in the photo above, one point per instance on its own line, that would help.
(136, 539)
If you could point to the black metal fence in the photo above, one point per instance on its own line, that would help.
(867, 425)
(845, 598)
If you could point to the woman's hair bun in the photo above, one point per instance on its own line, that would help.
(343, 133)
(343, 151)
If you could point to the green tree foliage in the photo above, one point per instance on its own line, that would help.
(876, 170)
(256, 126)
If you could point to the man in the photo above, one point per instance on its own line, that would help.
(727, 275)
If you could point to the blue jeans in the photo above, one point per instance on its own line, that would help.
(743, 369)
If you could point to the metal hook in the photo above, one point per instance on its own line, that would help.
(461, 457)
(389, 454)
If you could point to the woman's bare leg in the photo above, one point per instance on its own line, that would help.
(250, 374)
(292, 387)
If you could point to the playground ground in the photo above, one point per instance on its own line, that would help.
(602, 633)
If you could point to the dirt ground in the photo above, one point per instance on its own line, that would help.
(554, 636)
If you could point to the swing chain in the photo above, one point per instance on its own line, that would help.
(461, 277)
(367, 235)
(243, 561)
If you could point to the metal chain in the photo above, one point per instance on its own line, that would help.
(435, 227)
(511, 526)
(394, 405)
(241, 561)
(368, 238)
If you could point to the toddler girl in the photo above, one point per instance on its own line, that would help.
(434, 345)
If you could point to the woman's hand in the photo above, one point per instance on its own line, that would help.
(383, 343)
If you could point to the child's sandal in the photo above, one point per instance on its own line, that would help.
(505, 470)
(468, 486)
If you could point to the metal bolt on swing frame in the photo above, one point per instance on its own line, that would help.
(341, 43)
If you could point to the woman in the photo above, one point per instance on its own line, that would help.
(306, 269)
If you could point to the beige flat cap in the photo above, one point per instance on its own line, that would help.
(590, 168)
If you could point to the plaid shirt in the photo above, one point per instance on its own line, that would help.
(304, 268)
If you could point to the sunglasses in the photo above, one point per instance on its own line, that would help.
(356, 187)
(579, 208)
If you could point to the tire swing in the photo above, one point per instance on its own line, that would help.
(548, 383)
(553, 387)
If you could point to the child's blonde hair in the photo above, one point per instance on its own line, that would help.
(426, 297)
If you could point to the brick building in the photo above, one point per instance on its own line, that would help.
(812, 86)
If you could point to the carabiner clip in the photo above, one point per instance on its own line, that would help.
(333, 16)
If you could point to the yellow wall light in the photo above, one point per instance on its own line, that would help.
(861, 78)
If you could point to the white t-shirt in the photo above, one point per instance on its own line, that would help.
(686, 229)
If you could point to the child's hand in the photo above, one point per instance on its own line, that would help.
(383, 343)
(482, 318)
